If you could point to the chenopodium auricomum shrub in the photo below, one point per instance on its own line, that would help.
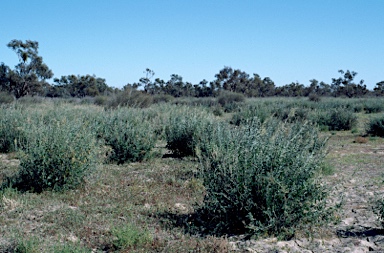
(184, 129)
(12, 122)
(57, 156)
(130, 135)
(376, 127)
(261, 178)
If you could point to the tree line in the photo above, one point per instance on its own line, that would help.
(30, 75)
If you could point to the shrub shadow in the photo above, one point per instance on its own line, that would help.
(371, 232)
(200, 223)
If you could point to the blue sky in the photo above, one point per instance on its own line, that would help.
(286, 40)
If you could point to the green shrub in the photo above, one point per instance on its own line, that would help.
(196, 102)
(6, 98)
(218, 111)
(71, 248)
(12, 123)
(184, 130)
(358, 108)
(314, 97)
(291, 114)
(230, 97)
(30, 100)
(101, 100)
(341, 120)
(162, 98)
(131, 98)
(374, 106)
(335, 120)
(129, 134)
(230, 100)
(378, 208)
(22, 245)
(261, 178)
(376, 127)
(27, 246)
(130, 237)
(57, 156)
(248, 112)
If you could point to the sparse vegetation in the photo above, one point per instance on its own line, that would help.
(180, 176)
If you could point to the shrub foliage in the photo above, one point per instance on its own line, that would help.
(12, 134)
(376, 127)
(261, 178)
(335, 120)
(129, 134)
(57, 156)
(184, 130)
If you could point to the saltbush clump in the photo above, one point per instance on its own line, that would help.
(57, 156)
(261, 178)
(184, 130)
(376, 127)
(335, 120)
(129, 134)
(12, 135)
(130, 98)
(230, 100)
(6, 98)
(247, 112)
(374, 106)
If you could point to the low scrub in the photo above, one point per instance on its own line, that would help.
(6, 98)
(162, 98)
(261, 178)
(57, 156)
(129, 134)
(130, 98)
(230, 100)
(246, 113)
(376, 127)
(374, 106)
(130, 237)
(335, 120)
(184, 130)
(12, 135)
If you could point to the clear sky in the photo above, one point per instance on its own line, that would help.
(286, 40)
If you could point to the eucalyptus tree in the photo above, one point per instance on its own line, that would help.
(81, 86)
(30, 74)
(4, 81)
(379, 89)
(345, 85)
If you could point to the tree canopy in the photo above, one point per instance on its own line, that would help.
(29, 75)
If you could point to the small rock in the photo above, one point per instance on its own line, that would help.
(349, 221)
(359, 250)
(73, 207)
(181, 207)
(233, 246)
(367, 244)
(72, 238)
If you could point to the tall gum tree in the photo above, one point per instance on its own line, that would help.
(29, 75)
